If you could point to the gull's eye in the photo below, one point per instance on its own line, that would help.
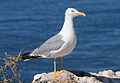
(72, 11)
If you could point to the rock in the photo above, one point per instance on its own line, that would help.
(78, 77)
(117, 74)
(108, 73)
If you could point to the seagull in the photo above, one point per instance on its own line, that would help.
(60, 44)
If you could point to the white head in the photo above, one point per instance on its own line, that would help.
(73, 12)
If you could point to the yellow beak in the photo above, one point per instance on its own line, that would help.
(81, 14)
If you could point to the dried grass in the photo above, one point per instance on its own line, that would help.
(10, 63)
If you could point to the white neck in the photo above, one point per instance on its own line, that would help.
(68, 27)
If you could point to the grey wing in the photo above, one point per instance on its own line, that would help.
(54, 43)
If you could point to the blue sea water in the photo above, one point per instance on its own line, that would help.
(28, 23)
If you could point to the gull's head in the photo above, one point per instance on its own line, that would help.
(73, 12)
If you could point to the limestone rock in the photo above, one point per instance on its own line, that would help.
(78, 77)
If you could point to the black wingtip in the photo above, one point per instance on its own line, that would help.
(27, 56)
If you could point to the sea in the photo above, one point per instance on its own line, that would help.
(26, 24)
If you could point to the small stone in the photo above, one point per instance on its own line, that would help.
(38, 76)
(117, 74)
(108, 73)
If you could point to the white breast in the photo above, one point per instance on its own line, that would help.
(70, 39)
(71, 43)
(68, 36)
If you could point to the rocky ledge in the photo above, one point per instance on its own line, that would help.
(73, 76)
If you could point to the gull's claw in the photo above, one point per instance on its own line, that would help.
(57, 74)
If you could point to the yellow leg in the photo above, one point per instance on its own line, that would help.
(54, 65)
(56, 74)
(61, 62)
